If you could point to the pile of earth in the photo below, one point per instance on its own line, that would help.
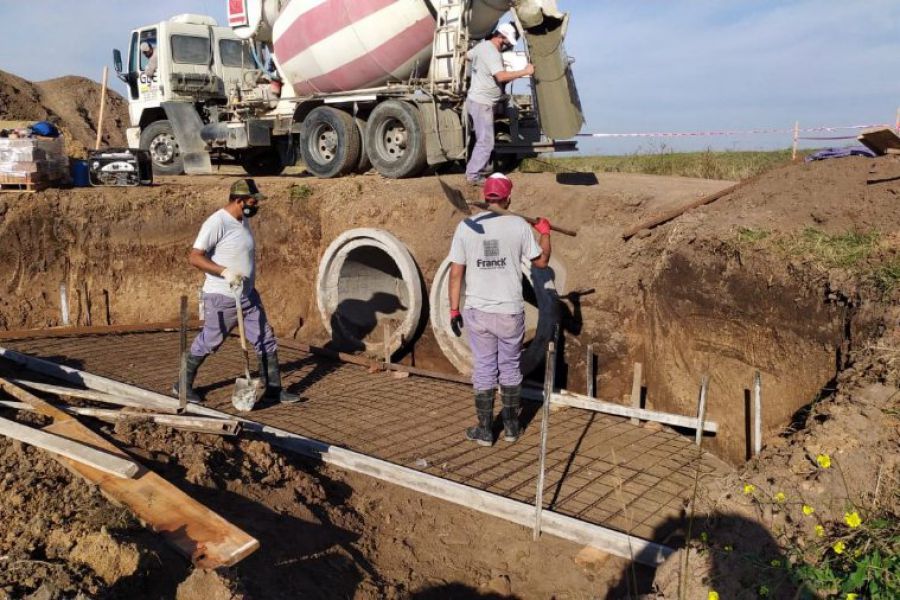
(71, 103)
(323, 533)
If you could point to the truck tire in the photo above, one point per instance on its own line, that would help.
(395, 140)
(158, 139)
(262, 162)
(364, 164)
(329, 142)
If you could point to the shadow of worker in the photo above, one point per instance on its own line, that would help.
(733, 555)
(355, 319)
(457, 591)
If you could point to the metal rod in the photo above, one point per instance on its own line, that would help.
(182, 370)
(63, 304)
(701, 409)
(757, 414)
(549, 372)
(589, 372)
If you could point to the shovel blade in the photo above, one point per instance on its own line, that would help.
(246, 393)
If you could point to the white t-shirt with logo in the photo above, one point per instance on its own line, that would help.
(227, 242)
(492, 247)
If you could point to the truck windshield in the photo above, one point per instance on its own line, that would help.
(190, 50)
(235, 53)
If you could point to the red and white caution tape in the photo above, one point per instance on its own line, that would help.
(658, 134)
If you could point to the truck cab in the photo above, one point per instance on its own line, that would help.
(188, 59)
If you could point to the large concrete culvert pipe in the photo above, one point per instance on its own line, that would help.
(542, 313)
(367, 278)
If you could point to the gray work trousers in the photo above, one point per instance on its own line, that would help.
(482, 116)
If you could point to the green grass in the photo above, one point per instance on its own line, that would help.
(844, 250)
(301, 192)
(729, 165)
(748, 235)
(887, 276)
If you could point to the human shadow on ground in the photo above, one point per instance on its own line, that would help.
(457, 591)
(354, 320)
(736, 557)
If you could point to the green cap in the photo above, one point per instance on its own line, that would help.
(246, 187)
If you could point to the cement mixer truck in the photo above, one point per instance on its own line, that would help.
(343, 85)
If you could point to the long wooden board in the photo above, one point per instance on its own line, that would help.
(200, 534)
(62, 332)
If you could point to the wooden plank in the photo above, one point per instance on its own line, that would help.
(81, 454)
(89, 380)
(701, 409)
(197, 532)
(602, 538)
(636, 384)
(567, 398)
(879, 140)
(62, 332)
(549, 376)
(228, 427)
(101, 397)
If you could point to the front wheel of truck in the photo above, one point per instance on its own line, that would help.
(158, 139)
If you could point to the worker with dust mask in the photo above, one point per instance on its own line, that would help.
(487, 250)
(485, 91)
(225, 251)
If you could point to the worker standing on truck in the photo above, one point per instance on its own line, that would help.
(485, 91)
(487, 250)
(225, 251)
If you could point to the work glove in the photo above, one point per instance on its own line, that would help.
(234, 279)
(456, 322)
(542, 226)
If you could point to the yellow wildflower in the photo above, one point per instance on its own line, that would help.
(779, 497)
(749, 488)
(775, 562)
(820, 531)
(712, 595)
(808, 510)
(851, 596)
(824, 461)
(838, 547)
(852, 519)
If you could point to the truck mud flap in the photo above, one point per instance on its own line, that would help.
(559, 107)
(186, 125)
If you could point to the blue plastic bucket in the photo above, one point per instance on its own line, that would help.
(80, 173)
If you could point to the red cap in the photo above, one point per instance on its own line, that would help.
(497, 188)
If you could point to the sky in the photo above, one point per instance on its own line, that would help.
(640, 65)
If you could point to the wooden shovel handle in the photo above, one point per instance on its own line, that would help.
(502, 211)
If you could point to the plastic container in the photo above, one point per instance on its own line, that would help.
(80, 173)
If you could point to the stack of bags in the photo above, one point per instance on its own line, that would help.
(26, 158)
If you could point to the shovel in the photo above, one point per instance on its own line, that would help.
(246, 389)
(460, 203)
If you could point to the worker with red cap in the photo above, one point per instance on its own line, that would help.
(488, 250)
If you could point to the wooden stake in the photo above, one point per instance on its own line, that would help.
(182, 371)
(757, 414)
(796, 140)
(108, 311)
(387, 343)
(87, 303)
(589, 372)
(63, 305)
(636, 390)
(102, 108)
(701, 409)
(549, 373)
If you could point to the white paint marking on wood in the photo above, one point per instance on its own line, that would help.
(63, 304)
(701, 409)
(757, 414)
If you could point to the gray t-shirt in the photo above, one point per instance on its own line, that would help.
(492, 248)
(227, 242)
(486, 62)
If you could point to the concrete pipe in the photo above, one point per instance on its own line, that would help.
(368, 279)
(541, 289)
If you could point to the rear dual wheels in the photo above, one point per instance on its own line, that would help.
(334, 143)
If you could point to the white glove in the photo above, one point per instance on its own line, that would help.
(234, 279)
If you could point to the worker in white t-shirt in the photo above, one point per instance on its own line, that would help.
(225, 251)
(488, 250)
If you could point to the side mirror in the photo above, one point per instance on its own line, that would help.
(117, 60)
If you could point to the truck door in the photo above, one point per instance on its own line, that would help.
(145, 63)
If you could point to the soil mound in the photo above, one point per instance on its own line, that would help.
(72, 103)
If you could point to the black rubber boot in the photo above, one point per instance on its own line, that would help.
(271, 374)
(484, 409)
(193, 363)
(510, 396)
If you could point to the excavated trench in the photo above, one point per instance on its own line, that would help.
(331, 271)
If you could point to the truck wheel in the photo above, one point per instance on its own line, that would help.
(158, 139)
(329, 142)
(364, 164)
(262, 162)
(395, 140)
